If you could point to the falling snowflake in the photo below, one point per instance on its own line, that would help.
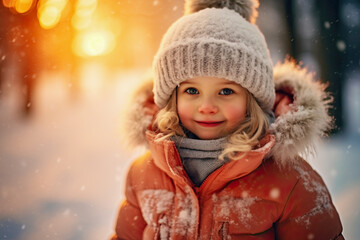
(274, 193)
(327, 25)
(310, 236)
(341, 46)
(333, 173)
(244, 194)
(66, 212)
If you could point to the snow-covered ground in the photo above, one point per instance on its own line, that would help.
(62, 170)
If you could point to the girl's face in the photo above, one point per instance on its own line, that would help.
(211, 107)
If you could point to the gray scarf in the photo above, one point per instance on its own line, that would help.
(199, 157)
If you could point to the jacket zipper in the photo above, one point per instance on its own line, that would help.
(199, 193)
(200, 189)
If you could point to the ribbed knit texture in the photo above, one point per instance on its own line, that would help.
(199, 157)
(216, 43)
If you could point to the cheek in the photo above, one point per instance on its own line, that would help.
(235, 113)
(184, 110)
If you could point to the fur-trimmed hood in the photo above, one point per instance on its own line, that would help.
(295, 132)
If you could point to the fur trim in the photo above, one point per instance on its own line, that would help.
(138, 116)
(297, 131)
(246, 8)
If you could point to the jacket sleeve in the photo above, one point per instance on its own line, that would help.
(309, 212)
(130, 223)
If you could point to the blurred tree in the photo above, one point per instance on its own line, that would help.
(331, 55)
(4, 15)
(314, 30)
(19, 35)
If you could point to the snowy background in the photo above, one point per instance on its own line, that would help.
(62, 165)
(61, 172)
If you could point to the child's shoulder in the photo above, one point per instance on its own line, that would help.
(297, 180)
(294, 186)
(144, 173)
(276, 183)
(272, 175)
(307, 199)
(294, 171)
(271, 178)
(142, 165)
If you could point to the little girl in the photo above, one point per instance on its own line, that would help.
(225, 136)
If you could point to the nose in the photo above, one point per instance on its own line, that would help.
(207, 106)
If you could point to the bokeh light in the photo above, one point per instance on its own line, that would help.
(86, 7)
(93, 43)
(49, 12)
(23, 6)
(83, 13)
(8, 3)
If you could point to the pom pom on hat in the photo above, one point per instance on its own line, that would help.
(246, 8)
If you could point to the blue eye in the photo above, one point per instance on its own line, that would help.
(226, 91)
(192, 91)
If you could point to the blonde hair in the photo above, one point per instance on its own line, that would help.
(167, 120)
(244, 139)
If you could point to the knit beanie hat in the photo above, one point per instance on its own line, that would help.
(215, 39)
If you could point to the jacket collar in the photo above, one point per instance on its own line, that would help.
(166, 157)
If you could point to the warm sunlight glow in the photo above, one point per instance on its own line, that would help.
(93, 43)
(92, 78)
(49, 12)
(23, 6)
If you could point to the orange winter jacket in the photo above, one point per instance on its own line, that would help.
(270, 193)
(244, 199)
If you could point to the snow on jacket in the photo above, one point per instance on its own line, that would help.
(271, 193)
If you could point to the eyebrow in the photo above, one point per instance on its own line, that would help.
(187, 81)
(225, 82)
(229, 83)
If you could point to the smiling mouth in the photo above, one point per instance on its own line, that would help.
(209, 124)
